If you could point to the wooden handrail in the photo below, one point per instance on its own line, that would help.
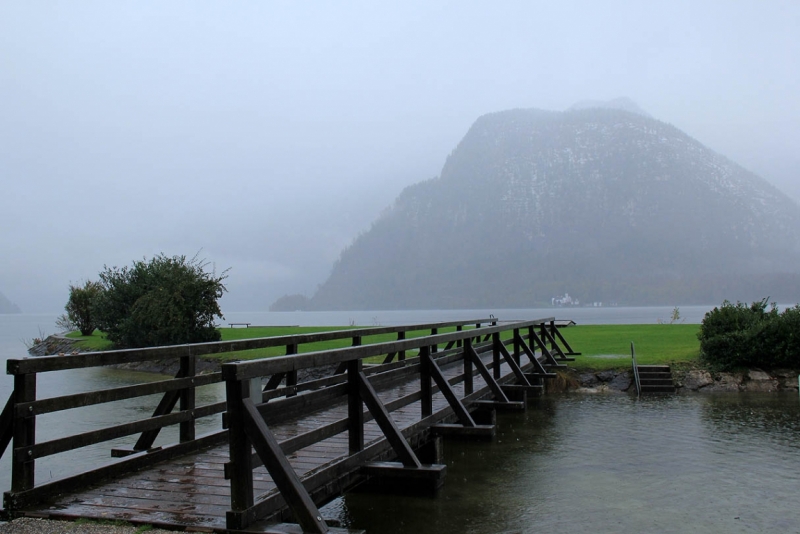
(44, 364)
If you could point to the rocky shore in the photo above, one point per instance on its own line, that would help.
(692, 379)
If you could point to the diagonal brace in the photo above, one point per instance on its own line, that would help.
(532, 357)
(545, 351)
(561, 355)
(521, 378)
(444, 386)
(165, 406)
(487, 376)
(7, 424)
(269, 451)
(386, 423)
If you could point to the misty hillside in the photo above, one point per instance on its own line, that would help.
(6, 306)
(606, 205)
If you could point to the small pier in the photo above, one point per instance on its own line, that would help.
(298, 430)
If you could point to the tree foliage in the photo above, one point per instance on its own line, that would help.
(80, 306)
(164, 301)
(737, 335)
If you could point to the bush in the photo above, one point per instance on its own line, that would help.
(166, 301)
(80, 307)
(737, 335)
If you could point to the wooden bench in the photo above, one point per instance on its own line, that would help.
(246, 325)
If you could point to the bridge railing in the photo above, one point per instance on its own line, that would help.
(18, 419)
(251, 409)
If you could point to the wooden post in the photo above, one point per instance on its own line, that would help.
(425, 381)
(516, 346)
(355, 408)
(291, 376)
(542, 330)
(459, 328)
(468, 381)
(400, 337)
(531, 335)
(240, 446)
(495, 358)
(22, 472)
(188, 369)
(434, 348)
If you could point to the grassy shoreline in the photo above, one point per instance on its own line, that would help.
(602, 347)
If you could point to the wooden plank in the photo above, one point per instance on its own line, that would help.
(15, 500)
(48, 448)
(80, 400)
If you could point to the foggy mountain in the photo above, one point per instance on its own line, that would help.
(607, 205)
(6, 306)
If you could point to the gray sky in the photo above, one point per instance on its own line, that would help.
(267, 135)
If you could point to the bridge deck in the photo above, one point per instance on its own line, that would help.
(192, 493)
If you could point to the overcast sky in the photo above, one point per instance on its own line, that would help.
(268, 135)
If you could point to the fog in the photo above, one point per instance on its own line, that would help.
(265, 136)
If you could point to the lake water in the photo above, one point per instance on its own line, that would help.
(611, 463)
(577, 463)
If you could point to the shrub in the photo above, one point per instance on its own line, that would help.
(166, 301)
(80, 307)
(737, 335)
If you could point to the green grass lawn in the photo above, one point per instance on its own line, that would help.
(609, 346)
(602, 346)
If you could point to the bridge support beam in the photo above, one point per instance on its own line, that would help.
(394, 477)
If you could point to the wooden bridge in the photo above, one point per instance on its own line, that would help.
(295, 432)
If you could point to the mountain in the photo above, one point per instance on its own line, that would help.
(604, 204)
(621, 103)
(6, 306)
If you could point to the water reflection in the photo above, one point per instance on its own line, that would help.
(579, 463)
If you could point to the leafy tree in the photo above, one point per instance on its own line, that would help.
(80, 307)
(164, 301)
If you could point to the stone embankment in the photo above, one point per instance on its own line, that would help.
(699, 380)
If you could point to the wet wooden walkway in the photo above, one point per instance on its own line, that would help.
(365, 423)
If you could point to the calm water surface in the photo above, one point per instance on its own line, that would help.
(610, 463)
(575, 463)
